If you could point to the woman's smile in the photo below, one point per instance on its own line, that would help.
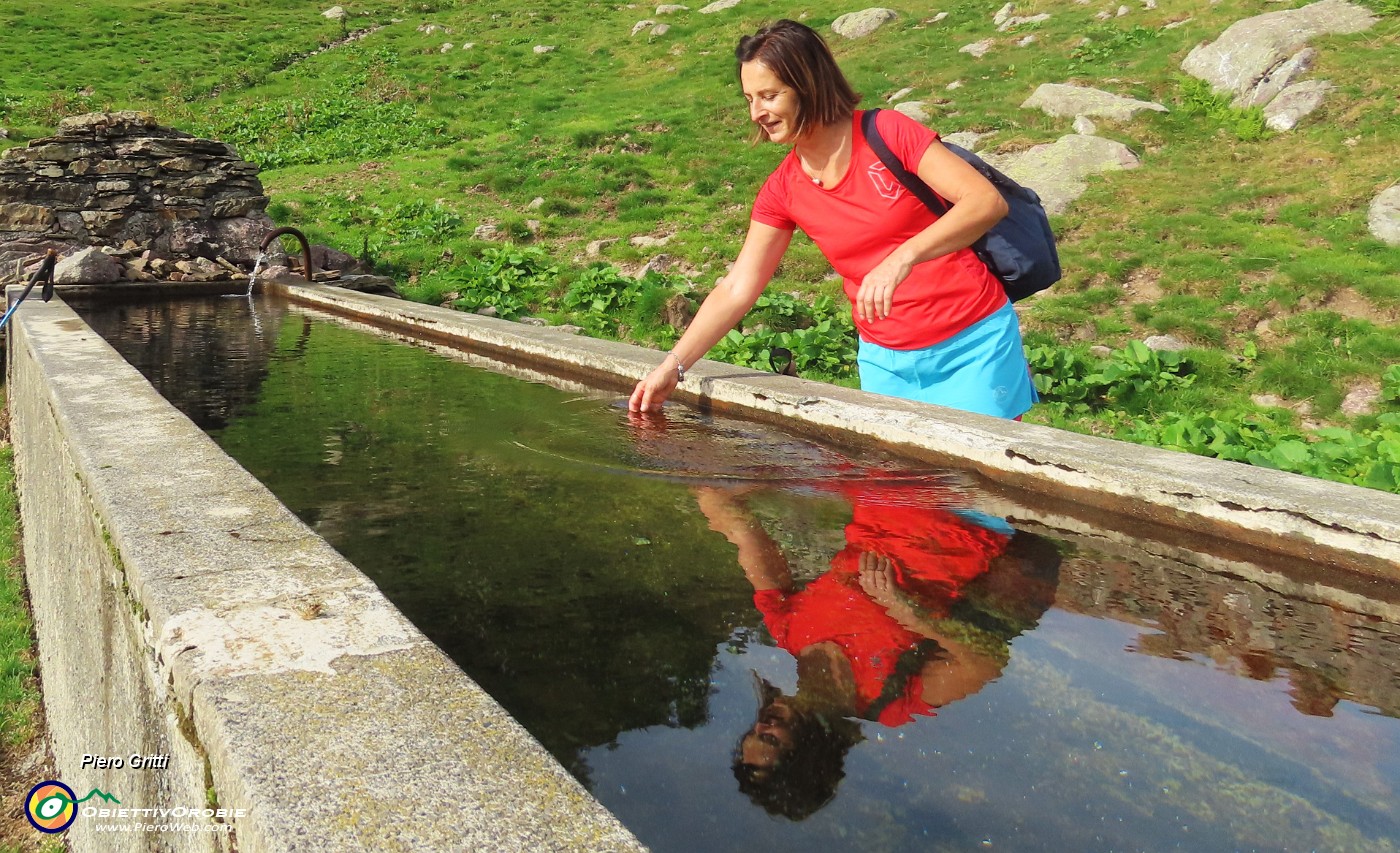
(772, 104)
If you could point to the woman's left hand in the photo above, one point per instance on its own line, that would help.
(875, 298)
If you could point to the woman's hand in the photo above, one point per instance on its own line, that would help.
(652, 391)
(878, 580)
(875, 298)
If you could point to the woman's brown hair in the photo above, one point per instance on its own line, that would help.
(801, 59)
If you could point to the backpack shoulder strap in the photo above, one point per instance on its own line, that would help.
(911, 181)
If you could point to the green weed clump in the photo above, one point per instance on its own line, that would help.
(1132, 389)
(513, 280)
(1197, 98)
(1104, 44)
(820, 335)
(1131, 379)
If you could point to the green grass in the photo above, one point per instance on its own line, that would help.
(19, 695)
(1229, 235)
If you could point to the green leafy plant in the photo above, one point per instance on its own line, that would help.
(824, 349)
(1390, 384)
(417, 220)
(1370, 457)
(1128, 379)
(1199, 99)
(511, 279)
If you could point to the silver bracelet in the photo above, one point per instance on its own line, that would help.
(680, 368)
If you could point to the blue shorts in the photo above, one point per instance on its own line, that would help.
(980, 369)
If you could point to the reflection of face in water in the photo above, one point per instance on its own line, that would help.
(771, 737)
(793, 757)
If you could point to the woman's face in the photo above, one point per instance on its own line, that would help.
(770, 738)
(772, 103)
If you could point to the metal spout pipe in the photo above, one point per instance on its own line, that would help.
(301, 238)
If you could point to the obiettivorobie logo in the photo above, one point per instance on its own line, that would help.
(52, 806)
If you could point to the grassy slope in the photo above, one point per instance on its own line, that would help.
(18, 696)
(21, 719)
(624, 135)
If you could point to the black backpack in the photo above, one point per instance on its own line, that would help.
(1019, 250)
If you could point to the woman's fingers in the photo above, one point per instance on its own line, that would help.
(874, 300)
(639, 398)
(652, 391)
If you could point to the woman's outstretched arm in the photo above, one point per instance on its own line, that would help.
(721, 311)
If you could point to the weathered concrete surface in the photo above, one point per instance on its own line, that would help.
(181, 610)
(1306, 518)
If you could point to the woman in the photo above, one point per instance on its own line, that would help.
(934, 324)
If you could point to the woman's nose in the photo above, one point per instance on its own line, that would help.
(754, 111)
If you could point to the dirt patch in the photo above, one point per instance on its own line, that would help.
(1143, 285)
(1354, 306)
(1246, 319)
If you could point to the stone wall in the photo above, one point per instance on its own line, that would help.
(121, 181)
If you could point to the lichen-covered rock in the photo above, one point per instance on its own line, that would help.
(1058, 171)
(1361, 400)
(968, 139)
(1285, 111)
(1383, 216)
(977, 49)
(854, 25)
(1065, 101)
(719, 6)
(1249, 50)
(18, 216)
(1165, 343)
(1280, 78)
(1020, 20)
(915, 110)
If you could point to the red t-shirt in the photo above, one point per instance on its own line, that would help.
(864, 217)
(935, 552)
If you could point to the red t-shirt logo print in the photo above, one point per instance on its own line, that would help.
(885, 184)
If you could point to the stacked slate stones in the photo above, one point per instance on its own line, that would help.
(157, 202)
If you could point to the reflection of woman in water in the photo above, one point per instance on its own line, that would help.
(916, 611)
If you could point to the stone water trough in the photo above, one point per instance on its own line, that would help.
(183, 612)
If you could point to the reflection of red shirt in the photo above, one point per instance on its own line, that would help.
(864, 217)
(936, 553)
